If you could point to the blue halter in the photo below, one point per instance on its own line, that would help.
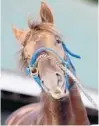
(67, 63)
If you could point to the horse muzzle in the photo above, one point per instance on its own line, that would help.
(58, 93)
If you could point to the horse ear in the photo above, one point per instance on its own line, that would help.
(45, 13)
(19, 34)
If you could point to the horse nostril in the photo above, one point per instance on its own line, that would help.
(57, 74)
(42, 82)
(65, 90)
(59, 77)
(44, 85)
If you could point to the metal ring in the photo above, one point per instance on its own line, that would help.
(34, 71)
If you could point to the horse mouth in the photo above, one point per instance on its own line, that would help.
(58, 93)
(42, 54)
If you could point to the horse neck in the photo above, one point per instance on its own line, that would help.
(55, 112)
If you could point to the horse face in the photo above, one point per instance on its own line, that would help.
(43, 35)
(51, 75)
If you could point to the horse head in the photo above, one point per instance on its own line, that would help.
(60, 104)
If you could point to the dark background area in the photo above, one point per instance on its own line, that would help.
(12, 101)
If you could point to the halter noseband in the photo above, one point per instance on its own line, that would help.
(66, 63)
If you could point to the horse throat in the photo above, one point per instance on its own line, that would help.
(55, 111)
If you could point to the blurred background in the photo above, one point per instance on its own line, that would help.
(78, 23)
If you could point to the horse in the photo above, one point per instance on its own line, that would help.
(61, 106)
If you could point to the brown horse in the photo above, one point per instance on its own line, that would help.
(68, 109)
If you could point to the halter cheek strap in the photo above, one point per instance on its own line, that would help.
(67, 63)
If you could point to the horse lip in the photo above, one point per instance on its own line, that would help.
(42, 53)
(58, 95)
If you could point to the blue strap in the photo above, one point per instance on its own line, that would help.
(69, 52)
(27, 71)
(66, 62)
(36, 54)
(69, 64)
(37, 79)
(67, 82)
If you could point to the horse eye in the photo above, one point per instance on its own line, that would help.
(58, 41)
(29, 57)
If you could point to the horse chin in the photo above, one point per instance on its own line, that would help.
(58, 94)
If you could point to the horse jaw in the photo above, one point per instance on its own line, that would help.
(53, 79)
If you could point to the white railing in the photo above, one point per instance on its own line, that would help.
(23, 85)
